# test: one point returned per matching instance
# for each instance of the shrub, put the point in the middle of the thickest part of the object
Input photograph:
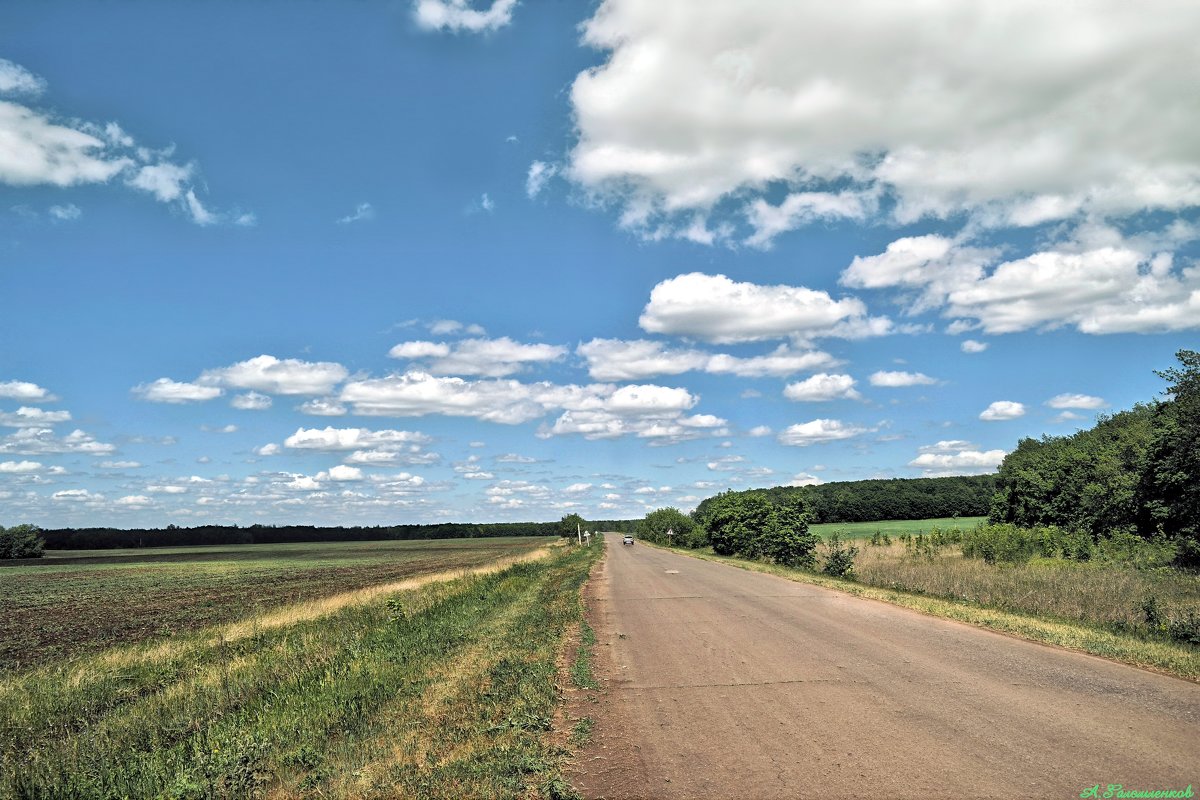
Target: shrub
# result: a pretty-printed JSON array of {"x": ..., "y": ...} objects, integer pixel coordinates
[
  {"x": 686, "y": 532},
  {"x": 839, "y": 558},
  {"x": 22, "y": 541}
]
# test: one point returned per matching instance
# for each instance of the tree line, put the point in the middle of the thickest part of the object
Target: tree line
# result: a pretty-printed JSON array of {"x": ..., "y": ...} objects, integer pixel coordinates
[
  {"x": 1134, "y": 472},
  {"x": 894, "y": 498}
]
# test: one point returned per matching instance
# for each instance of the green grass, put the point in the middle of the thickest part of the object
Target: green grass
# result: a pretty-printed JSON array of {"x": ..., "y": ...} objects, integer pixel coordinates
[
  {"x": 443, "y": 691},
  {"x": 78, "y": 602},
  {"x": 893, "y": 527}
]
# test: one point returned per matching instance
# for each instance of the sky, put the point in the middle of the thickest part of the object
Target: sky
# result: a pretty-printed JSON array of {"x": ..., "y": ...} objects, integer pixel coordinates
[{"x": 382, "y": 263}]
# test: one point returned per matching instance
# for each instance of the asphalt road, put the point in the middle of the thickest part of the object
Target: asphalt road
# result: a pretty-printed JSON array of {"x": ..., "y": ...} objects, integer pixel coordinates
[{"x": 724, "y": 683}]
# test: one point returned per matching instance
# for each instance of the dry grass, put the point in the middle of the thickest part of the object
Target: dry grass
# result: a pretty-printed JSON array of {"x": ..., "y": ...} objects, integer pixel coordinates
[{"x": 1092, "y": 593}]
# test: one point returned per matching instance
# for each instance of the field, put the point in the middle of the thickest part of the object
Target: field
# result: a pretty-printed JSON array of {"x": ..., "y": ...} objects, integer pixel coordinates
[
  {"x": 77, "y": 602},
  {"x": 892, "y": 527},
  {"x": 443, "y": 690}
]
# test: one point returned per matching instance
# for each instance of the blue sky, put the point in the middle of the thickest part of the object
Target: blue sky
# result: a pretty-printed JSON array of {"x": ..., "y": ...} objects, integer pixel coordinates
[{"x": 410, "y": 262}]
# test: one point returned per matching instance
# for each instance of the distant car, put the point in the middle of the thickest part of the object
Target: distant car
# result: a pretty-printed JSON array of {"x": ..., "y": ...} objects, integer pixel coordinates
[{"x": 627, "y": 540}]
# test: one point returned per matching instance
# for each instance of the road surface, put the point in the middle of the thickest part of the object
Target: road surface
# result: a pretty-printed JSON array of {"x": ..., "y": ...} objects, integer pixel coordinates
[{"x": 724, "y": 683}]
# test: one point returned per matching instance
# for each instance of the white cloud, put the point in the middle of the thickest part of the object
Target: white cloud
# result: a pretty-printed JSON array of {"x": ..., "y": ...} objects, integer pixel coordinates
[
  {"x": 333, "y": 439},
  {"x": 362, "y": 212},
  {"x": 134, "y": 501},
  {"x": 38, "y": 151},
  {"x": 459, "y": 15},
  {"x": 931, "y": 104},
  {"x": 576, "y": 488},
  {"x": 35, "y": 441},
  {"x": 938, "y": 460},
  {"x": 538, "y": 176},
  {"x": 322, "y": 407},
  {"x": 717, "y": 309},
  {"x": 802, "y": 208},
  {"x": 822, "y": 387},
  {"x": 271, "y": 449},
  {"x": 493, "y": 358},
  {"x": 899, "y": 379},
  {"x": 23, "y": 390},
  {"x": 251, "y": 401},
  {"x": 15, "y": 79},
  {"x": 804, "y": 479},
  {"x": 442, "y": 327},
  {"x": 166, "y": 181},
  {"x": 20, "y": 467},
  {"x": 166, "y": 489},
  {"x": 819, "y": 431},
  {"x": 278, "y": 376},
  {"x": 759, "y": 431},
  {"x": 165, "y": 390},
  {"x": 28, "y": 417},
  {"x": 1002, "y": 410},
  {"x": 1085, "y": 401},
  {"x": 341, "y": 473},
  {"x": 76, "y": 495},
  {"x": 119, "y": 464},
  {"x": 972, "y": 346},
  {"x": 65, "y": 212},
  {"x": 617, "y": 359}
]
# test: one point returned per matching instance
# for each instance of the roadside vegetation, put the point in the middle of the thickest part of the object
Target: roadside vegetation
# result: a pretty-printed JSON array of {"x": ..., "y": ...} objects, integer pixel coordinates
[{"x": 442, "y": 690}]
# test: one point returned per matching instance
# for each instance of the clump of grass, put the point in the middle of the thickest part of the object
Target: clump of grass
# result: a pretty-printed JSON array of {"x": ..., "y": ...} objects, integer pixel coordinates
[
  {"x": 581, "y": 669},
  {"x": 451, "y": 697}
]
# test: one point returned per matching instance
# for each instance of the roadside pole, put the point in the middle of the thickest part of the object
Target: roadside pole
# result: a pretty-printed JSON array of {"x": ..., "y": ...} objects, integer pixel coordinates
[{"x": 578, "y": 533}]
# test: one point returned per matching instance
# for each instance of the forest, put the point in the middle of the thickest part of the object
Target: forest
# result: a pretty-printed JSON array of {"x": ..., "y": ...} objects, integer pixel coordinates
[
  {"x": 1134, "y": 472},
  {"x": 894, "y": 498}
]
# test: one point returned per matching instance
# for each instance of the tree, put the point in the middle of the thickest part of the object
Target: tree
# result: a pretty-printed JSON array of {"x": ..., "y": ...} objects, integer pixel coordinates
[
  {"x": 570, "y": 524},
  {"x": 23, "y": 541},
  {"x": 656, "y": 524},
  {"x": 1169, "y": 491},
  {"x": 786, "y": 539}
]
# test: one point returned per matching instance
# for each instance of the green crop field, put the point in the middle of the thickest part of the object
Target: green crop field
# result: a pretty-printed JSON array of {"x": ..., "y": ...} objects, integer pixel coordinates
[
  {"x": 444, "y": 689},
  {"x": 893, "y": 527},
  {"x": 77, "y": 602}
]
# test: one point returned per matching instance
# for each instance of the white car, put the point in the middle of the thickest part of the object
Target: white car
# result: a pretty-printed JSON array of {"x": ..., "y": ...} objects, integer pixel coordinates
[{"x": 627, "y": 540}]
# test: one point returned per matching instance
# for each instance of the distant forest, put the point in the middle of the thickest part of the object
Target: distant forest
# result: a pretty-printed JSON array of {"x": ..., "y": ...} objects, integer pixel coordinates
[{"x": 895, "y": 498}]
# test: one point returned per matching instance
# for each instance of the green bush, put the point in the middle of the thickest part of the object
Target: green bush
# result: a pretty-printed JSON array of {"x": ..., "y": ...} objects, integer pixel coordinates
[
  {"x": 839, "y": 558},
  {"x": 22, "y": 541},
  {"x": 747, "y": 524},
  {"x": 685, "y": 531}
]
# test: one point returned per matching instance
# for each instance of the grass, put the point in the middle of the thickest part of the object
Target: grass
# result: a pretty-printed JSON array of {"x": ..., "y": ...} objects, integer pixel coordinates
[
  {"x": 1089, "y": 608},
  {"x": 893, "y": 527},
  {"x": 77, "y": 602},
  {"x": 441, "y": 690}
]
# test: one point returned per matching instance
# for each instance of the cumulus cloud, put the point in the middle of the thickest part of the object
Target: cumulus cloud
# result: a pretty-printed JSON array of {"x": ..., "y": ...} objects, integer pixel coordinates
[
  {"x": 322, "y": 407},
  {"x": 801, "y": 208},
  {"x": 618, "y": 359},
  {"x": 702, "y": 101},
  {"x": 28, "y": 392},
  {"x": 333, "y": 439},
  {"x": 1084, "y": 401},
  {"x": 251, "y": 401},
  {"x": 287, "y": 376},
  {"x": 493, "y": 358},
  {"x": 717, "y": 309},
  {"x": 1002, "y": 410},
  {"x": 443, "y": 327},
  {"x": 804, "y": 479},
  {"x": 43, "y": 149},
  {"x": 20, "y": 467},
  {"x": 972, "y": 346},
  {"x": 760, "y": 430},
  {"x": 956, "y": 458},
  {"x": 165, "y": 390},
  {"x": 822, "y": 387},
  {"x": 819, "y": 431},
  {"x": 459, "y": 16},
  {"x": 1098, "y": 281},
  {"x": 28, "y": 417},
  {"x": 895, "y": 379}
]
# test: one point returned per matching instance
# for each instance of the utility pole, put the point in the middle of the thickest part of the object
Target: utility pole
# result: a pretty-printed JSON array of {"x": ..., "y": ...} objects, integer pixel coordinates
[{"x": 578, "y": 533}]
